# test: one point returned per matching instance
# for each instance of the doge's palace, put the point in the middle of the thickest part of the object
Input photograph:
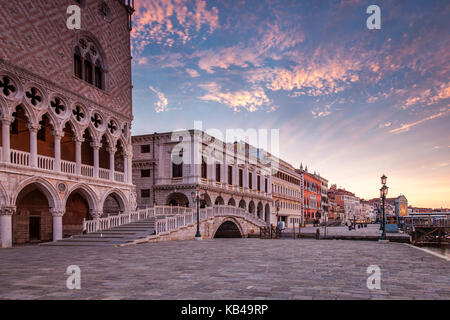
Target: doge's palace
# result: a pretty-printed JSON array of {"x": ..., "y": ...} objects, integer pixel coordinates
[{"x": 65, "y": 104}]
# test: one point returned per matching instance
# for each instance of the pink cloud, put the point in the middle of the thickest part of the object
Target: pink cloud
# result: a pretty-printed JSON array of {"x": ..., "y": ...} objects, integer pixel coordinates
[
  {"x": 165, "y": 21},
  {"x": 250, "y": 100}
]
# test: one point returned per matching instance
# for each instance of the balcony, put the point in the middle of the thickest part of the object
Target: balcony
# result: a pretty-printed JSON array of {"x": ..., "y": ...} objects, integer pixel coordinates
[{"x": 21, "y": 158}]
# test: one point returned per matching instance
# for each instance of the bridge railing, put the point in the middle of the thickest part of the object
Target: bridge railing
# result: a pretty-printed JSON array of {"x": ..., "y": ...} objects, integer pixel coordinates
[{"x": 168, "y": 218}]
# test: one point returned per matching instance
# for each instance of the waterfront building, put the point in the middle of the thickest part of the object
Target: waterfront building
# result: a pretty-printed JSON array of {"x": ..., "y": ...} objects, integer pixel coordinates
[
  {"x": 286, "y": 189},
  {"x": 65, "y": 104},
  {"x": 312, "y": 195},
  {"x": 168, "y": 167},
  {"x": 346, "y": 200}
]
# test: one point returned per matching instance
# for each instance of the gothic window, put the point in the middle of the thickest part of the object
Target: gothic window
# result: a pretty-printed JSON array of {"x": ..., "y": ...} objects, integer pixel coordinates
[
  {"x": 88, "y": 69},
  {"x": 250, "y": 180},
  {"x": 241, "y": 184},
  {"x": 77, "y": 63},
  {"x": 230, "y": 175},
  {"x": 98, "y": 75},
  {"x": 258, "y": 179},
  {"x": 89, "y": 64}
]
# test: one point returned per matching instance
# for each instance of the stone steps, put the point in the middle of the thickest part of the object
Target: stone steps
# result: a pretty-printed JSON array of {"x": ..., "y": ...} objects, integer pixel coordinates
[{"x": 118, "y": 235}]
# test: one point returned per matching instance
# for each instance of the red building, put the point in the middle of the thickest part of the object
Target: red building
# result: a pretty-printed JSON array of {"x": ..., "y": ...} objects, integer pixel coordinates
[{"x": 311, "y": 196}]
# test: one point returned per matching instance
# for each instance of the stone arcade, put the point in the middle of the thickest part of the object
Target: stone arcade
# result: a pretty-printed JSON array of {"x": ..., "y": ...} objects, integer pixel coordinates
[{"x": 65, "y": 104}]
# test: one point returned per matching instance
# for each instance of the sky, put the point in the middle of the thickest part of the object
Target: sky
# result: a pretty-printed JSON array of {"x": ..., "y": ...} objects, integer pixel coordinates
[{"x": 349, "y": 102}]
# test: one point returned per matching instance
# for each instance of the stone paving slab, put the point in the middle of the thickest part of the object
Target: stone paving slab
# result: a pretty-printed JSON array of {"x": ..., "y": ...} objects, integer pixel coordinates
[{"x": 225, "y": 269}]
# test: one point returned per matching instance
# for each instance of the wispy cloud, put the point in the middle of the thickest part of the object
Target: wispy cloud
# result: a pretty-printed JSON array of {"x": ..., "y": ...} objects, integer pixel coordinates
[
  {"x": 407, "y": 127},
  {"x": 250, "y": 100},
  {"x": 193, "y": 73},
  {"x": 165, "y": 22},
  {"x": 161, "y": 104}
]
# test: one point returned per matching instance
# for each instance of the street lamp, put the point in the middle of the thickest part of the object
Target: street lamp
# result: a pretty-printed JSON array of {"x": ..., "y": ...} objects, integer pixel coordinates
[
  {"x": 196, "y": 199},
  {"x": 383, "y": 193}
]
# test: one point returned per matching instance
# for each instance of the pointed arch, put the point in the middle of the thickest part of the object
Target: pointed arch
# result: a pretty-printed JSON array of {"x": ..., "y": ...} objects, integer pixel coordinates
[
  {"x": 119, "y": 196},
  {"x": 44, "y": 186},
  {"x": 89, "y": 194}
]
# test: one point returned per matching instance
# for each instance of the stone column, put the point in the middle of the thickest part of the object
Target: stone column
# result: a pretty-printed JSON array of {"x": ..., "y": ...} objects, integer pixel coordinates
[
  {"x": 57, "y": 135},
  {"x": 130, "y": 167},
  {"x": 78, "y": 142},
  {"x": 126, "y": 172},
  {"x": 33, "y": 129},
  {"x": 57, "y": 215},
  {"x": 96, "y": 147},
  {"x": 6, "y": 123},
  {"x": 6, "y": 226},
  {"x": 112, "y": 152}
]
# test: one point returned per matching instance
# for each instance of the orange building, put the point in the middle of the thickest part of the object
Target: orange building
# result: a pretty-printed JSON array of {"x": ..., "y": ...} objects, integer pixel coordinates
[{"x": 312, "y": 199}]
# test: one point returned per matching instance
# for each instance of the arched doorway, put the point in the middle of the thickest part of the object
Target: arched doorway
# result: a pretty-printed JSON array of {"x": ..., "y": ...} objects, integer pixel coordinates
[
  {"x": 177, "y": 199},
  {"x": 242, "y": 204},
  {"x": 228, "y": 229},
  {"x": 113, "y": 205},
  {"x": 77, "y": 209},
  {"x": 259, "y": 210},
  {"x": 32, "y": 221},
  {"x": 232, "y": 202},
  {"x": 219, "y": 201}
]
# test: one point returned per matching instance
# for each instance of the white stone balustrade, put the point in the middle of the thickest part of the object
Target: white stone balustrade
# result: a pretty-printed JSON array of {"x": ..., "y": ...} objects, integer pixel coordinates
[
  {"x": 168, "y": 218},
  {"x": 22, "y": 158}
]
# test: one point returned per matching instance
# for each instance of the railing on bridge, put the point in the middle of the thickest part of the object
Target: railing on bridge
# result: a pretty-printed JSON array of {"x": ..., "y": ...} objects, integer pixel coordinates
[{"x": 169, "y": 218}]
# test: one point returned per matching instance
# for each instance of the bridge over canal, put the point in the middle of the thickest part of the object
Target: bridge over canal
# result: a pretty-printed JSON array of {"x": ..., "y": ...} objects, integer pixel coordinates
[{"x": 161, "y": 223}]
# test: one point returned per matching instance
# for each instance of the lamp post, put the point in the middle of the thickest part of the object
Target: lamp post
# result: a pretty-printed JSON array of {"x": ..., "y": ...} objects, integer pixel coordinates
[
  {"x": 196, "y": 199},
  {"x": 383, "y": 194}
]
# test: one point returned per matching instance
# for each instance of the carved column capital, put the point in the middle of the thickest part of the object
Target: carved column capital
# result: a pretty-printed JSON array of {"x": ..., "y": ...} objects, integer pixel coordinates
[
  {"x": 7, "y": 210},
  {"x": 112, "y": 150},
  {"x": 32, "y": 127},
  {"x": 7, "y": 119},
  {"x": 58, "y": 133},
  {"x": 96, "y": 145},
  {"x": 57, "y": 212},
  {"x": 95, "y": 214}
]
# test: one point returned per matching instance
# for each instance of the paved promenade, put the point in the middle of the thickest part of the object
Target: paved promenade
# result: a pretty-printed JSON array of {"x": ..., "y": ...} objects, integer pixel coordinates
[{"x": 225, "y": 269}]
